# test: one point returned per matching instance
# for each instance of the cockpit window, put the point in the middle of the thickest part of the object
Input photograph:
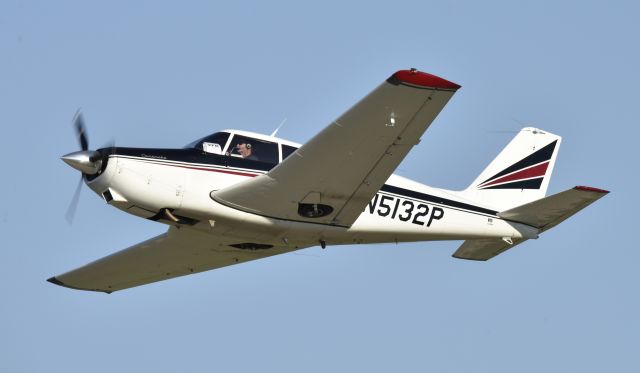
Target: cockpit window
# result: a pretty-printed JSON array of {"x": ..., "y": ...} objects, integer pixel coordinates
[
  {"x": 211, "y": 144},
  {"x": 253, "y": 149}
]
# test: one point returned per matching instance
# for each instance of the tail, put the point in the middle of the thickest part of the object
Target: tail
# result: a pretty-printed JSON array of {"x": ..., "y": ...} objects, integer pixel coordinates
[
  {"x": 515, "y": 184},
  {"x": 519, "y": 174}
]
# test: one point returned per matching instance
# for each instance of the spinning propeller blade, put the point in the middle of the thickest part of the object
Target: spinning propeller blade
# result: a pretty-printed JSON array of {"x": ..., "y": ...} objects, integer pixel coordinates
[
  {"x": 81, "y": 130},
  {"x": 73, "y": 205}
]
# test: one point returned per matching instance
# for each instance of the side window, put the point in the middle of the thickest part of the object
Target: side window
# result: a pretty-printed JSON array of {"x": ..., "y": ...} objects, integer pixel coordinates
[
  {"x": 254, "y": 149},
  {"x": 287, "y": 151},
  {"x": 214, "y": 144}
]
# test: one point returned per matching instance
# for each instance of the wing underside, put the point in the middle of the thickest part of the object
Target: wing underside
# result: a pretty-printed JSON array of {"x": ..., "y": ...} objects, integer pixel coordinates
[
  {"x": 332, "y": 177},
  {"x": 177, "y": 252}
]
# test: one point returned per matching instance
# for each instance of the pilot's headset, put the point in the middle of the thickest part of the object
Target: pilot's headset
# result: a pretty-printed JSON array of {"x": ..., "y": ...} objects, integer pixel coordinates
[{"x": 246, "y": 144}]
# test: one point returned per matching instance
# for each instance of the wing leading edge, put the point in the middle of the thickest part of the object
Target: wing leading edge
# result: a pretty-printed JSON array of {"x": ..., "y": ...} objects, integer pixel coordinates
[{"x": 331, "y": 178}]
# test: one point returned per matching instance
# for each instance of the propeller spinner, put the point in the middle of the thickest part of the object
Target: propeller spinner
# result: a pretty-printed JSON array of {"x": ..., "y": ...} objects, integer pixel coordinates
[{"x": 89, "y": 162}]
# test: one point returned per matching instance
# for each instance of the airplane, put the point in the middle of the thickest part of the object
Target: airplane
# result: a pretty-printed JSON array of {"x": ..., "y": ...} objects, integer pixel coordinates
[{"x": 235, "y": 196}]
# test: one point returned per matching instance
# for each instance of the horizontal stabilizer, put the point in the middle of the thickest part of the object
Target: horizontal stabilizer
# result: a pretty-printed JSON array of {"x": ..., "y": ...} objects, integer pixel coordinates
[
  {"x": 484, "y": 248},
  {"x": 548, "y": 212},
  {"x": 542, "y": 214}
]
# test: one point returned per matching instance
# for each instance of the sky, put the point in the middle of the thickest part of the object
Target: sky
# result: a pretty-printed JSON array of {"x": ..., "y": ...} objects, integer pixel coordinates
[{"x": 161, "y": 74}]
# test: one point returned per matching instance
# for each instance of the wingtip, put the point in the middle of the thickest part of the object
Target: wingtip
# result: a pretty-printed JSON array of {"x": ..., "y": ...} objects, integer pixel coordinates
[
  {"x": 591, "y": 189},
  {"x": 422, "y": 79},
  {"x": 54, "y": 280},
  {"x": 469, "y": 258}
]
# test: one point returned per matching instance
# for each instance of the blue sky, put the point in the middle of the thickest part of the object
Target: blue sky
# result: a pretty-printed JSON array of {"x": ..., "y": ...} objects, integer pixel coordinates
[{"x": 153, "y": 74}]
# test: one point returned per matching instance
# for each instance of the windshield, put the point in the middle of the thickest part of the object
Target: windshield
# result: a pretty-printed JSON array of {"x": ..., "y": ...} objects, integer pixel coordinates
[{"x": 239, "y": 147}]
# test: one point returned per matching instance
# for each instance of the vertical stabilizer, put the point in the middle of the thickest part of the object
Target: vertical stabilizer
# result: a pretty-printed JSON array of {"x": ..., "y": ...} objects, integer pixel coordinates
[{"x": 520, "y": 173}]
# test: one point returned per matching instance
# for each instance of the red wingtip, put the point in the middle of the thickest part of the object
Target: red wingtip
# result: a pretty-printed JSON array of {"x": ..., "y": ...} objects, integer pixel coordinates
[
  {"x": 421, "y": 79},
  {"x": 591, "y": 189}
]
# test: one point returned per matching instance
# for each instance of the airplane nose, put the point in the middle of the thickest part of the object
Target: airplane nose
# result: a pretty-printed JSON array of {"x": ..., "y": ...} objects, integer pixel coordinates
[{"x": 86, "y": 161}]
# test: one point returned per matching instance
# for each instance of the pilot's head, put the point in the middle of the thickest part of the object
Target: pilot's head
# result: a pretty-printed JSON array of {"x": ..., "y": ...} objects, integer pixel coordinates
[{"x": 244, "y": 149}]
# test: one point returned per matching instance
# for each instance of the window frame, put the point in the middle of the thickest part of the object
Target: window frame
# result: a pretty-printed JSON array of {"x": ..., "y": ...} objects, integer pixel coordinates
[{"x": 282, "y": 157}]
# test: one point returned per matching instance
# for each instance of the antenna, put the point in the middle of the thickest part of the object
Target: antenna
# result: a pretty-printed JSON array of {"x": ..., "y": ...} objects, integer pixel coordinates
[
  {"x": 521, "y": 123},
  {"x": 278, "y": 129}
]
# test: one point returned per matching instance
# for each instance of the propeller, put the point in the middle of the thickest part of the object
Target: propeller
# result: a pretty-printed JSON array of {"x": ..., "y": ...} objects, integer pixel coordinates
[
  {"x": 73, "y": 205},
  {"x": 89, "y": 162},
  {"x": 81, "y": 130}
]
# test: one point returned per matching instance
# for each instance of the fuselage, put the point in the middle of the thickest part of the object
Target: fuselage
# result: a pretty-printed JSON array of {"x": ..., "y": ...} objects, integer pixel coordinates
[{"x": 173, "y": 186}]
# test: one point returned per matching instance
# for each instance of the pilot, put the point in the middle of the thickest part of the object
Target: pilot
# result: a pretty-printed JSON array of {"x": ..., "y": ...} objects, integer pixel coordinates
[{"x": 246, "y": 151}]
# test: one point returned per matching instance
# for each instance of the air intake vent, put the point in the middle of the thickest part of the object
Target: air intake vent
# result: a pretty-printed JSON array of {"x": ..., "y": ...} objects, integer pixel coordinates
[{"x": 107, "y": 196}]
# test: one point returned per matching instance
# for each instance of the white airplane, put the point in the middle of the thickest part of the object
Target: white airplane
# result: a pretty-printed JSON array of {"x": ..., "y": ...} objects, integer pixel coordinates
[{"x": 236, "y": 196}]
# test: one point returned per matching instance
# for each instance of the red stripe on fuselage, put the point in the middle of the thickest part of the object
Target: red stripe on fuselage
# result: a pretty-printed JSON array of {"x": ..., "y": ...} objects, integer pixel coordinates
[{"x": 214, "y": 170}]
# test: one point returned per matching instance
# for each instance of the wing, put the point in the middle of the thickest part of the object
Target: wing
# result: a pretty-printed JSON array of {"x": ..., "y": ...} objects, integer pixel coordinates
[
  {"x": 176, "y": 253},
  {"x": 332, "y": 177}
]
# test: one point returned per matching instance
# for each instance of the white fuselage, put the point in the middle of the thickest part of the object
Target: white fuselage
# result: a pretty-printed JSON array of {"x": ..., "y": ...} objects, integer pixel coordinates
[{"x": 402, "y": 211}]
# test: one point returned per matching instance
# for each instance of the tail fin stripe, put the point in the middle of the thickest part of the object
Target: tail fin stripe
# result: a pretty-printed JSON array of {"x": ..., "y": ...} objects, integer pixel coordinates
[
  {"x": 521, "y": 171},
  {"x": 534, "y": 171},
  {"x": 523, "y": 184},
  {"x": 541, "y": 155}
]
